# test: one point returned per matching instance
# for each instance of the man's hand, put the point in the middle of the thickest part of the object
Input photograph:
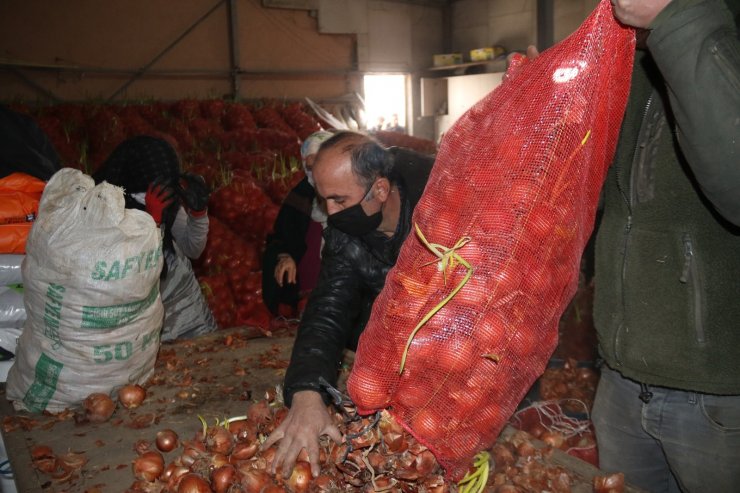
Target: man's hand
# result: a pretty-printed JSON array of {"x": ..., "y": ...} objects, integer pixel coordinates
[
  {"x": 285, "y": 269},
  {"x": 306, "y": 421},
  {"x": 638, "y": 13},
  {"x": 158, "y": 197},
  {"x": 532, "y": 53}
]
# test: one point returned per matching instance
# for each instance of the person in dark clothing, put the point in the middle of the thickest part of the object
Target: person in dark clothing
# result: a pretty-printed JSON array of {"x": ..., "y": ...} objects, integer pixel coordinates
[
  {"x": 292, "y": 252},
  {"x": 148, "y": 169},
  {"x": 370, "y": 195},
  {"x": 24, "y": 147},
  {"x": 667, "y": 408}
]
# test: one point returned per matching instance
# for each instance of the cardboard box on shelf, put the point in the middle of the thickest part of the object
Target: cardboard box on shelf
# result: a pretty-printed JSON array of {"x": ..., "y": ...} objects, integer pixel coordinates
[{"x": 444, "y": 59}]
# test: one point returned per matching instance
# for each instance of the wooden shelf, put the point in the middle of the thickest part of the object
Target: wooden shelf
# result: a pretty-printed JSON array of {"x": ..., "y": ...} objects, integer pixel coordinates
[
  {"x": 495, "y": 65},
  {"x": 458, "y": 66}
]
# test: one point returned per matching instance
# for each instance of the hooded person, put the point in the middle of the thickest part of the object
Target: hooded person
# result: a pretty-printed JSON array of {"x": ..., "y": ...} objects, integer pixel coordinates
[
  {"x": 148, "y": 169},
  {"x": 309, "y": 149},
  {"x": 293, "y": 251}
]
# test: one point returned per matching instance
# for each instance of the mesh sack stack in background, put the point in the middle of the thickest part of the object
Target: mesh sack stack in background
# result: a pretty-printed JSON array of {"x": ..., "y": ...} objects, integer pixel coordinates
[{"x": 513, "y": 194}]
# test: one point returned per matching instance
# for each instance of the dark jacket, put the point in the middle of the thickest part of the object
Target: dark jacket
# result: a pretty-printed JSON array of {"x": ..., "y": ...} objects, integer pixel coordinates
[
  {"x": 668, "y": 248},
  {"x": 353, "y": 271},
  {"x": 288, "y": 236},
  {"x": 24, "y": 147}
]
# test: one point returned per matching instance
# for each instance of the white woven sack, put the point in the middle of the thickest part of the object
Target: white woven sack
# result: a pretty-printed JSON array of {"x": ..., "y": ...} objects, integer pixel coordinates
[
  {"x": 186, "y": 312},
  {"x": 12, "y": 310},
  {"x": 91, "y": 291},
  {"x": 10, "y": 268}
]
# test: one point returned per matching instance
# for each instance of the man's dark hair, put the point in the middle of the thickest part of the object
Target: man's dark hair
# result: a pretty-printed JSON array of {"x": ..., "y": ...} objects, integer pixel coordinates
[{"x": 369, "y": 158}]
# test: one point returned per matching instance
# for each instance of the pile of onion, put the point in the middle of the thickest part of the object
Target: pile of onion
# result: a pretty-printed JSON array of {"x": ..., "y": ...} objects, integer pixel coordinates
[
  {"x": 226, "y": 458},
  {"x": 520, "y": 465},
  {"x": 378, "y": 455},
  {"x": 547, "y": 421},
  {"x": 574, "y": 385}
]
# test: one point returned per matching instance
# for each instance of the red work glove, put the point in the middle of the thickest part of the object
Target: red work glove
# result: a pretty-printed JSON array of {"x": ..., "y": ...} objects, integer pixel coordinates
[{"x": 158, "y": 197}]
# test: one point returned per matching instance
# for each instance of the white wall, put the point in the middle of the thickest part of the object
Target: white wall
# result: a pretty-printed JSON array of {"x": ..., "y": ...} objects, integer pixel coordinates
[
  {"x": 510, "y": 23},
  {"x": 462, "y": 93},
  {"x": 392, "y": 37}
]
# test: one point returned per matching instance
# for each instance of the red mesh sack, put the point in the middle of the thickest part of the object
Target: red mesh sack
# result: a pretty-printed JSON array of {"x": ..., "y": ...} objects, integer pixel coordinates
[{"x": 513, "y": 195}]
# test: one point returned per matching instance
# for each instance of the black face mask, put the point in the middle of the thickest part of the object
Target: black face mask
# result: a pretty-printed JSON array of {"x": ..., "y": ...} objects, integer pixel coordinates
[{"x": 354, "y": 221}]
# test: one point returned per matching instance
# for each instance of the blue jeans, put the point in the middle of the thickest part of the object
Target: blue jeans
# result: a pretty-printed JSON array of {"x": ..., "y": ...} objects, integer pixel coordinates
[{"x": 677, "y": 441}]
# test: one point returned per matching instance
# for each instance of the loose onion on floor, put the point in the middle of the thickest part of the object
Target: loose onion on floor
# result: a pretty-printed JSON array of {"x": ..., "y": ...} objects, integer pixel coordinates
[
  {"x": 98, "y": 407},
  {"x": 131, "y": 396},
  {"x": 167, "y": 440}
]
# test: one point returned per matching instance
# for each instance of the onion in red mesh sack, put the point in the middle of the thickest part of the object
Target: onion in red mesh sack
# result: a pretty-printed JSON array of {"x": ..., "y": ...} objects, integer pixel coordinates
[{"x": 502, "y": 224}]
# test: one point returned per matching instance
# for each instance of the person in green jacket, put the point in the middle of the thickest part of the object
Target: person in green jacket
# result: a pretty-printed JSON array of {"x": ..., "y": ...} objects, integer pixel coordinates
[{"x": 667, "y": 306}]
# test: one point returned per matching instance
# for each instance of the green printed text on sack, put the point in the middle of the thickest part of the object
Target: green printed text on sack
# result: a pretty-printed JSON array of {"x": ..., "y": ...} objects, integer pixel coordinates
[
  {"x": 106, "y": 270},
  {"x": 46, "y": 378},
  {"x": 53, "y": 314},
  {"x": 121, "y": 351},
  {"x": 110, "y": 317}
]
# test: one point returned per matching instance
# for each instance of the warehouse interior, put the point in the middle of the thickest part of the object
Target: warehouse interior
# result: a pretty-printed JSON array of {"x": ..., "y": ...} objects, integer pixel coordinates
[
  {"x": 264, "y": 246},
  {"x": 248, "y": 50}
]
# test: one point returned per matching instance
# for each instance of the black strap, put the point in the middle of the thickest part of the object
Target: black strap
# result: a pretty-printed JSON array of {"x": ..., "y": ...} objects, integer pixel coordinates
[{"x": 645, "y": 394}]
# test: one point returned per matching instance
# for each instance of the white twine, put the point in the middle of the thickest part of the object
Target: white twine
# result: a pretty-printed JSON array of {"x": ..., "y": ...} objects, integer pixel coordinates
[{"x": 552, "y": 417}]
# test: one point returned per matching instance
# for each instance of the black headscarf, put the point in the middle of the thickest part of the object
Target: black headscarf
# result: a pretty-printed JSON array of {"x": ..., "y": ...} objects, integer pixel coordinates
[
  {"x": 138, "y": 162},
  {"x": 134, "y": 165}
]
